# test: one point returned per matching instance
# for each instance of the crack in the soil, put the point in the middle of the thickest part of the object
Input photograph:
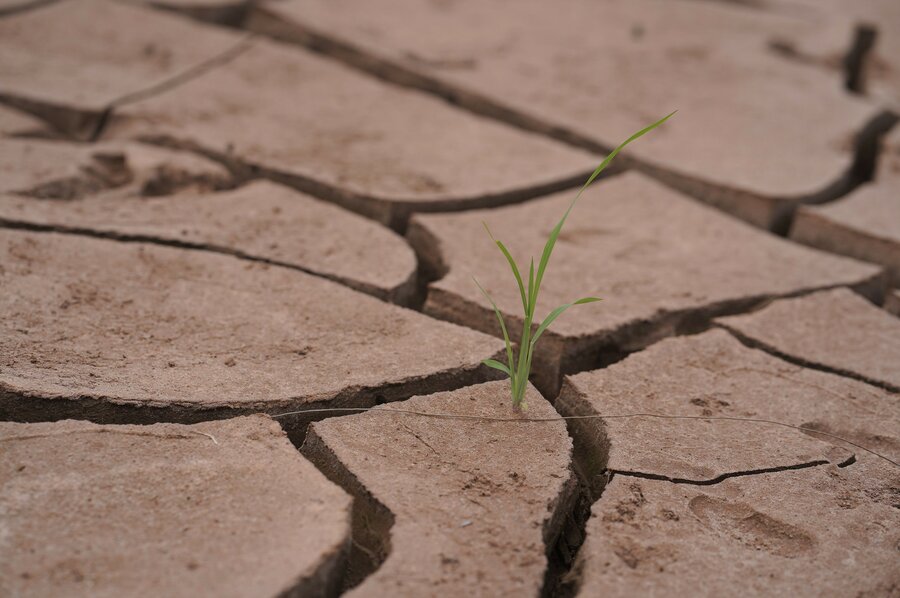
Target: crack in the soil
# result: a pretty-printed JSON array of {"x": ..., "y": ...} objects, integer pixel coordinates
[
  {"x": 89, "y": 125},
  {"x": 855, "y": 63},
  {"x": 372, "y": 520},
  {"x": 347, "y": 53},
  {"x": 370, "y": 542},
  {"x": 401, "y": 295},
  {"x": 28, "y": 407},
  {"x": 858, "y": 58},
  {"x": 561, "y": 578},
  {"x": 716, "y": 194},
  {"x": 759, "y": 345},
  {"x": 193, "y": 72},
  {"x": 732, "y": 474},
  {"x": 225, "y": 15},
  {"x": 393, "y": 214},
  {"x": 590, "y": 453},
  {"x": 558, "y": 356},
  {"x": 590, "y": 461}
]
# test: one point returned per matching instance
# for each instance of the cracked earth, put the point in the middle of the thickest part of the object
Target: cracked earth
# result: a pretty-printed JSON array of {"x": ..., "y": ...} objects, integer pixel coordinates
[{"x": 240, "y": 348}]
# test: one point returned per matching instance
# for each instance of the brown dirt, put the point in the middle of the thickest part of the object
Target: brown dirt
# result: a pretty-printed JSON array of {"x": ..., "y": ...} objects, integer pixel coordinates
[
  {"x": 58, "y": 65},
  {"x": 56, "y": 170},
  {"x": 831, "y": 37},
  {"x": 683, "y": 264},
  {"x": 713, "y": 375},
  {"x": 135, "y": 332},
  {"x": 261, "y": 221},
  {"x": 865, "y": 224},
  {"x": 382, "y": 167},
  {"x": 837, "y": 331},
  {"x": 779, "y": 127},
  {"x": 474, "y": 506},
  {"x": 225, "y": 509},
  {"x": 789, "y": 533}
]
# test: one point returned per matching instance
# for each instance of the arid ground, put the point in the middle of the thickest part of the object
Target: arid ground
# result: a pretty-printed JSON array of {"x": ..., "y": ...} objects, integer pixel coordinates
[{"x": 241, "y": 348}]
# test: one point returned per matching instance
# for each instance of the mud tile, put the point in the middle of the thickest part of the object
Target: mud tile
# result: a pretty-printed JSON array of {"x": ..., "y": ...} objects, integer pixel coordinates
[
  {"x": 70, "y": 61},
  {"x": 835, "y": 330},
  {"x": 374, "y": 148},
  {"x": 714, "y": 375},
  {"x": 131, "y": 332},
  {"x": 226, "y": 508},
  {"x": 755, "y": 133},
  {"x": 823, "y": 531},
  {"x": 472, "y": 502},
  {"x": 54, "y": 170},
  {"x": 661, "y": 262},
  {"x": 866, "y": 223},
  {"x": 261, "y": 220}
]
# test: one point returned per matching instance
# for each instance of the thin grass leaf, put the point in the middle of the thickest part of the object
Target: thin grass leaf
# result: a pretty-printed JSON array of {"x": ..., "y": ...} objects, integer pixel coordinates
[
  {"x": 551, "y": 241},
  {"x": 530, "y": 279},
  {"x": 512, "y": 264},
  {"x": 558, "y": 312},
  {"x": 493, "y": 363},
  {"x": 615, "y": 152},
  {"x": 509, "y": 351}
]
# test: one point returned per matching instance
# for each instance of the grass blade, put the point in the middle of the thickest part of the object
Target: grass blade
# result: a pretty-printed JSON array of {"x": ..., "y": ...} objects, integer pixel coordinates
[
  {"x": 493, "y": 363},
  {"x": 615, "y": 152},
  {"x": 509, "y": 351},
  {"x": 551, "y": 241},
  {"x": 512, "y": 264},
  {"x": 530, "y": 285},
  {"x": 558, "y": 312}
]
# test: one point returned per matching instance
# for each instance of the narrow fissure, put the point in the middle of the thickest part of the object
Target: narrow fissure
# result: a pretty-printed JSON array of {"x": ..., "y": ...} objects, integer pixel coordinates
[
  {"x": 561, "y": 578},
  {"x": 590, "y": 455},
  {"x": 590, "y": 462},
  {"x": 731, "y": 474},
  {"x": 399, "y": 295},
  {"x": 24, "y": 407},
  {"x": 752, "y": 343},
  {"x": 89, "y": 125},
  {"x": 371, "y": 522},
  {"x": 394, "y": 215},
  {"x": 555, "y": 358},
  {"x": 389, "y": 71},
  {"x": 224, "y": 15},
  {"x": 858, "y": 58}
]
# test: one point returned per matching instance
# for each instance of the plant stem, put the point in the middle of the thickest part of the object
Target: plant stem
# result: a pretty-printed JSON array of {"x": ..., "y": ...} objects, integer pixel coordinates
[{"x": 522, "y": 381}]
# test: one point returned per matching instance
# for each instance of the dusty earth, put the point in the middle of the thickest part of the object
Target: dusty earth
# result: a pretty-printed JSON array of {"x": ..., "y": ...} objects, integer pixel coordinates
[{"x": 240, "y": 346}]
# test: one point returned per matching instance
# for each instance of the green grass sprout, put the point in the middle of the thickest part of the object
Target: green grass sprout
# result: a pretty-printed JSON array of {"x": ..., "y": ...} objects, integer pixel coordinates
[{"x": 518, "y": 367}]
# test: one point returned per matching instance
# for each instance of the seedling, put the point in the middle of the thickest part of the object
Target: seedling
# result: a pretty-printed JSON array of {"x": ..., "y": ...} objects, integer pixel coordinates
[{"x": 518, "y": 367}]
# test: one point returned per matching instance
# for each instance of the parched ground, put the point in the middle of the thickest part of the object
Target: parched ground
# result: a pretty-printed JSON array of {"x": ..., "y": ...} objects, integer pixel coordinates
[{"x": 240, "y": 346}]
